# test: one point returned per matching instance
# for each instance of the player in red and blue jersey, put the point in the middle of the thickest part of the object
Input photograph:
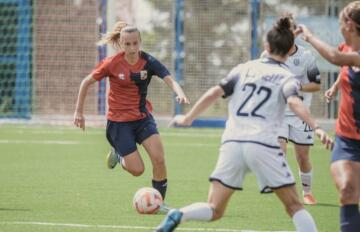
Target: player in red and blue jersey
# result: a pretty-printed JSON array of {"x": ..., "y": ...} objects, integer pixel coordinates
[
  {"x": 345, "y": 166},
  {"x": 129, "y": 118}
]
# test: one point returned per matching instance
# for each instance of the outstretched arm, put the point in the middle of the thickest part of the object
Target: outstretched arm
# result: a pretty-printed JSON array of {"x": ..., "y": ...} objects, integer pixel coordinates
[
  {"x": 181, "y": 97},
  {"x": 207, "y": 99},
  {"x": 79, "y": 119},
  {"x": 330, "y": 53}
]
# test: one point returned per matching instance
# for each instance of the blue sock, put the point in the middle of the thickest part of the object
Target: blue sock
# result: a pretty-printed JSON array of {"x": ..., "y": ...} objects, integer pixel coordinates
[
  {"x": 350, "y": 218},
  {"x": 160, "y": 186}
]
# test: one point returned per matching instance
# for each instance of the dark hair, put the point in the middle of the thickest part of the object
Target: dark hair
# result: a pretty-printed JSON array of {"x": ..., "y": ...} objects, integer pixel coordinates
[
  {"x": 293, "y": 24},
  {"x": 280, "y": 37}
]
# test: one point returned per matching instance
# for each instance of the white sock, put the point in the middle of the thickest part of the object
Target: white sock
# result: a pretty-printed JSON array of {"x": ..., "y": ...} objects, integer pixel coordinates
[
  {"x": 197, "y": 212},
  {"x": 306, "y": 179},
  {"x": 303, "y": 221}
]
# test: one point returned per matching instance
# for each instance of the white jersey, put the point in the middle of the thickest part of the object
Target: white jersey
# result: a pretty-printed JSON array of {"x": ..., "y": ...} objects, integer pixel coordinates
[
  {"x": 302, "y": 64},
  {"x": 258, "y": 91}
]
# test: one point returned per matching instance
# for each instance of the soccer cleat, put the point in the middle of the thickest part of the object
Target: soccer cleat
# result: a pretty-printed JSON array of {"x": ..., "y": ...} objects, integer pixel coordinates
[
  {"x": 164, "y": 209},
  {"x": 170, "y": 222},
  {"x": 112, "y": 159},
  {"x": 309, "y": 199}
]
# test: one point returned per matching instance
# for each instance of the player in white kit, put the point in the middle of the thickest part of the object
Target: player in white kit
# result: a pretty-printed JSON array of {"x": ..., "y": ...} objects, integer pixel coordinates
[
  {"x": 301, "y": 62},
  {"x": 259, "y": 91}
]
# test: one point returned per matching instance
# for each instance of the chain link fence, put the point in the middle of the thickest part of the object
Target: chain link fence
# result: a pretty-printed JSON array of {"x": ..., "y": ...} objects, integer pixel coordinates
[{"x": 48, "y": 47}]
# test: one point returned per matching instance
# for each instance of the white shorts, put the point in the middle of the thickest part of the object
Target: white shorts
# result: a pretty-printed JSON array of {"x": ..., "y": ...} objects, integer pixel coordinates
[
  {"x": 269, "y": 165},
  {"x": 296, "y": 131}
]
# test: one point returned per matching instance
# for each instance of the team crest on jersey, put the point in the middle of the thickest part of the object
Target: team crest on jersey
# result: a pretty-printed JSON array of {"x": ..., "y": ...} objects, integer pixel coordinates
[
  {"x": 296, "y": 62},
  {"x": 143, "y": 75},
  {"x": 121, "y": 76}
]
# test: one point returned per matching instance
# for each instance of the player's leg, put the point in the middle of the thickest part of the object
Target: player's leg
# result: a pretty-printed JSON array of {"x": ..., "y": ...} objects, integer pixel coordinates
[
  {"x": 148, "y": 136},
  {"x": 302, "y": 137},
  {"x": 214, "y": 209},
  {"x": 346, "y": 175},
  {"x": 227, "y": 176},
  {"x": 155, "y": 150},
  {"x": 305, "y": 172},
  {"x": 124, "y": 151},
  {"x": 130, "y": 162},
  {"x": 345, "y": 169},
  {"x": 133, "y": 163},
  {"x": 273, "y": 173},
  {"x": 218, "y": 198},
  {"x": 283, "y": 135},
  {"x": 302, "y": 219}
]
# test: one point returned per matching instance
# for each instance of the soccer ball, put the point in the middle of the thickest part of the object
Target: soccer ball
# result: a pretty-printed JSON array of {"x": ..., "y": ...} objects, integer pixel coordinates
[{"x": 147, "y": 200}]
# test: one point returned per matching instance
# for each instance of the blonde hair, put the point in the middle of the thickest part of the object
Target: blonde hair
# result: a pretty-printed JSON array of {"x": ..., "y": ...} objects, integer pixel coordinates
[
  {"x": 352, "y": 12},
  {"x": 113, "y": 36}
]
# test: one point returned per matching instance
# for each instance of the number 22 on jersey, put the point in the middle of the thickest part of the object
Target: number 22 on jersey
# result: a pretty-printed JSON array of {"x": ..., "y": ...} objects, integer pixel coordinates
[{"x": 253, "y": 90}]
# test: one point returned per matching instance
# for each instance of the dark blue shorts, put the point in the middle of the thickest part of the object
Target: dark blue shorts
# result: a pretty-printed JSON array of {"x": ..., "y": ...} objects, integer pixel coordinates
[
  {"x": 346, "y": 149},
  {"x": 123, "y": 136}
]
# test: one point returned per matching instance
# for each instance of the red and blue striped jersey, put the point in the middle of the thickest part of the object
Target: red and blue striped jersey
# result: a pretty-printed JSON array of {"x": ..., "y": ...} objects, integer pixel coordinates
[
  {"x": 128, "y": 85},
  {"x": 348, "y": 122}
]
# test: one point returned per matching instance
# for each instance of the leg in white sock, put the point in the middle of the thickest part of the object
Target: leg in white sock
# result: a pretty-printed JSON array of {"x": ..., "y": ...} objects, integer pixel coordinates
[
  {"x": 303, "y": 221},
  {"x": 306, "y": 180},
  {"x": 197, "y": 212}
]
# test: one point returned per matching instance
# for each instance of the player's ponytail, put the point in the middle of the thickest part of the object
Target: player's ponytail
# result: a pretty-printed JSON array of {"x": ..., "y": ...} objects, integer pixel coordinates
[
  {"x": 113, "y": 36},
  {"x": 283, "y": 24},
  {"x": 281, "y": 37}
]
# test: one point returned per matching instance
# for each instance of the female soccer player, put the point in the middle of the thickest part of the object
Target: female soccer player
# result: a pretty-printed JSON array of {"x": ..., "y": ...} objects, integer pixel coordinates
[
  {"x": 259, "y": 91},
  {"x": 301, "y": 62},
  {"x": 345, "y": 165},
  {"x": 129, "y": 116}
]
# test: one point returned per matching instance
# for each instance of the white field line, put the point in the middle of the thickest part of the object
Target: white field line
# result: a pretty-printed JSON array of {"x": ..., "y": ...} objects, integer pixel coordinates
[
  {"x": 205, "y": 134},
  {"x": 74, "y": 142},
  {"x": 60, "y": 142},
  {"x": 125, "y": 227}
]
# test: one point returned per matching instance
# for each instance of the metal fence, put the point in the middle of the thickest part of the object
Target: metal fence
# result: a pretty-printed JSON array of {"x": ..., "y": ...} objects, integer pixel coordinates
[{"x": 47, "y": 47}]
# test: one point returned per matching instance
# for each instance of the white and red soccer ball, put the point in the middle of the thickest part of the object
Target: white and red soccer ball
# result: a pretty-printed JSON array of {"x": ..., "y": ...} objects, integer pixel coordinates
[{"x": 147, "y": 200}]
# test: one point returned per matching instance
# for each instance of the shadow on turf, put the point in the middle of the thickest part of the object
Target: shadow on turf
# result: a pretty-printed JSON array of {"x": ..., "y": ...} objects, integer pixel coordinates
[
  {"x": 7, "y": 209},
  {"x": 327, "y": 205}
]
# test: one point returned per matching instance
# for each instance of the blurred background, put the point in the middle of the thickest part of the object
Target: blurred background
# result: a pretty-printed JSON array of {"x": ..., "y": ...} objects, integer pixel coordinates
[{"x": 48, "y": 46}]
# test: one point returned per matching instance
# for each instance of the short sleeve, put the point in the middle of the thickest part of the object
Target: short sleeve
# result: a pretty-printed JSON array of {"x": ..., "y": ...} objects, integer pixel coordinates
[
  {"x": 229, "y": 82},
  {"x": 157, "y": 68},
  {"x": 101, "y": 70},
  {"x": 291, "y": 87},
  {"x": 313, "y": 72}
]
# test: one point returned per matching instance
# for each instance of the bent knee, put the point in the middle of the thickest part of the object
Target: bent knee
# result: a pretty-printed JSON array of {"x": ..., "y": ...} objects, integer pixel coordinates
[
  {"x": 348, "y": 194},
  {"x": 217, "y": 213},
  {"x": 137, "y": 171}
]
